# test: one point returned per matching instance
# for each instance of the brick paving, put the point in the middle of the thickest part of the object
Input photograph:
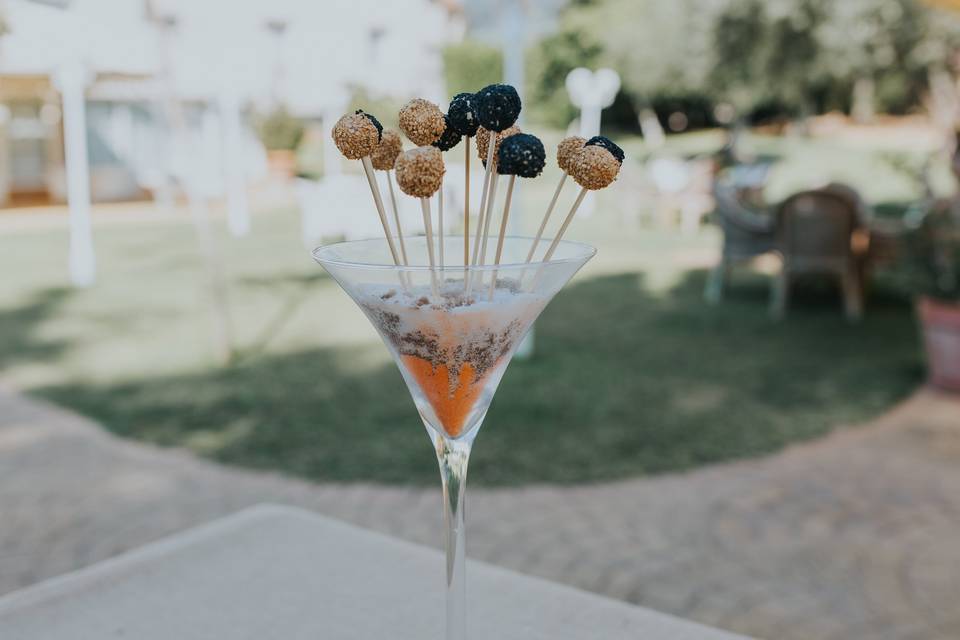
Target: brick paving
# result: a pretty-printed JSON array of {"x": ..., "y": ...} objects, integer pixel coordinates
[{"x": 856, "y": 535}]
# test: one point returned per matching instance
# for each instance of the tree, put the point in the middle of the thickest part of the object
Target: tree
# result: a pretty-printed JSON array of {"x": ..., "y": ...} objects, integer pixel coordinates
[
  {"x": 658, "y": 47},
  {"x": 739, "y": 43},
  {"x": 548, "y": 65},
  {"x": 470, "y": 65},
  {"x": 794, "y": 51}
]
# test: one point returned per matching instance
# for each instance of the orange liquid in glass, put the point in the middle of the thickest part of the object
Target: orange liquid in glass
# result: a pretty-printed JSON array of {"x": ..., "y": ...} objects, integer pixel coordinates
[{"x": 452, "y": 400}]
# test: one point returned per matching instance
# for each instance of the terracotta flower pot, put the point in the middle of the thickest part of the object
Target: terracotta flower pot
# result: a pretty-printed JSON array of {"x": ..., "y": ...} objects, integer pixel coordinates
[
  {"x": 941, "y": 337},
  {"x": 282, "y": 164}
]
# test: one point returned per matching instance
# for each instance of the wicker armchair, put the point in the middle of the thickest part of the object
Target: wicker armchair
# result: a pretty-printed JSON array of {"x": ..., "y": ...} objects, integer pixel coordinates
[
  {"x": 815, "y": 235},
  {"x": 746, "y": 235}
]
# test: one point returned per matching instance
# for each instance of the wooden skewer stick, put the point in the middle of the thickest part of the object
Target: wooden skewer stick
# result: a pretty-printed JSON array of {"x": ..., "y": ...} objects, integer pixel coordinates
[
  {"x": 556, "y": 240},
  {"x": 486, "y": 215},
  {"x": 466, "y": 206},
  {"x": 377, "y": 200},
  {"x": 440, "y": 226},
  {"x": 503, "y": 231},
  {"x": 546, "y": 216},
  {"x": 483, "y": 200},
  {"x": 489, "y": 214},
  {"x": 396, "y": 219},
  {"x": 428, "y": 227}
]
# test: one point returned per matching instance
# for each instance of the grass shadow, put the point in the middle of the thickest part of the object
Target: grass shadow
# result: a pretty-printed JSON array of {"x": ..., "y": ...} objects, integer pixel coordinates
[
  {"x": 625, "y": 381},
  {"x": 18, "y": 327}
]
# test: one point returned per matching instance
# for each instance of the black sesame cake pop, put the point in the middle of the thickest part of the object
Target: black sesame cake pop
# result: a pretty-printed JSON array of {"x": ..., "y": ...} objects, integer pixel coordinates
[
  {"x": 521, "y": 155},
  {"x": 449, "y": 138},
  {"x": 608, "y": 144},
  {"x": 498, "y": 106},
  {"x": 462, "y": 114}
]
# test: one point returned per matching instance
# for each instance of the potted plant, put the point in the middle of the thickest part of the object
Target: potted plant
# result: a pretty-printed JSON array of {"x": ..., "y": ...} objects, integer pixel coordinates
[
  {"x": 938, "y": 303},
  {"x": 281, "y": 133}
]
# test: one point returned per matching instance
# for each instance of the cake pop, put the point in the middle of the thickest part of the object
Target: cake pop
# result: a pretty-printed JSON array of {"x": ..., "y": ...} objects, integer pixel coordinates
[
  {"x": 357, "y": 134},
  {"x": 449, "y": 138},
  {"x": 594, "y": 167},
  {"x": 609, "y": 145},
  {"x": 566, "y": 150},
  {"x": 385, "y": 154},
  {"x": 383, "y": 159},
  {"x": 498, "y": 106},
  {"x": 420, "y": 171},
  {"x": 483, "y": 142},
  {"x": 521, "y": 155},
  {"x": 462, "y": 116},
  {"x": 422, "y": 122},
  {"x": 420, "y": 174}
]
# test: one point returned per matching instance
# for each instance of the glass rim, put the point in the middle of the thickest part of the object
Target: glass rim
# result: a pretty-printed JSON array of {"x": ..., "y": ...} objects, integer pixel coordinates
[{"x": 586, "y": 252}]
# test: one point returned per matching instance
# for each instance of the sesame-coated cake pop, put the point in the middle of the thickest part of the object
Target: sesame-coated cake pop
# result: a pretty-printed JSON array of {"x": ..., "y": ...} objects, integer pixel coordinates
[
  {"x": 521, "y": 155},
  {"x": 385, "y": 155},
  {"x": 463, "y": 114},
  {"x": 420, "y": 171},
  {"x": 422, "y": 122},
  {"x": 372, "y": 119},
  {"x": 567, "y": 149},
  {"x": 483, "y": 139},
  {"x": 357, "y": 135},
  {"x": 449, "y": 138},
  {"x": 498, "y": 106},
  {"x": 609, "y": 145},
  {"x": 594, "y": 167}
]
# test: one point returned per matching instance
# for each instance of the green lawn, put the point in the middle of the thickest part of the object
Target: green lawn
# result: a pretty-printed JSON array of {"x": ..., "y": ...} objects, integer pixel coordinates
[{"x": 633, "y": 374}]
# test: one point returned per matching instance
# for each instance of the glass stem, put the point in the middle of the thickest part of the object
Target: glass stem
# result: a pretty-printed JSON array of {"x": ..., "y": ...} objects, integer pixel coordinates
[{"x": 453, "y": 456}]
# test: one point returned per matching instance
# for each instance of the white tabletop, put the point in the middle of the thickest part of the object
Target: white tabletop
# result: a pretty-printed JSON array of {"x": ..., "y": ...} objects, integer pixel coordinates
[{"x": 278, "y": 572}]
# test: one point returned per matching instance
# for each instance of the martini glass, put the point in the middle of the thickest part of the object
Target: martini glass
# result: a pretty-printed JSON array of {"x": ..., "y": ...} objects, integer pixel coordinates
[{"x": 452, "y": 332}]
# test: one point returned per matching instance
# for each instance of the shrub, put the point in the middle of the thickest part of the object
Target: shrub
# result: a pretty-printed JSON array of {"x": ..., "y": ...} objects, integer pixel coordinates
[
  {"x": 280, "y": 130},
  {"x": 471, "y": 65}
]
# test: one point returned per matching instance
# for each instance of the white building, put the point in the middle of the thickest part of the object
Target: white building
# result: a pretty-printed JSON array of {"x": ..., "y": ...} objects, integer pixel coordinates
[{"x": 140, "y": 67}]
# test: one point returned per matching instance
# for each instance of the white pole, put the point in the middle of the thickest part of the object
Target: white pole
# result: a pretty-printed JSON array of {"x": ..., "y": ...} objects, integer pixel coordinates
[
  {"x": 238, "y": 210},
  {"x": 590, "y": 120},
  {"x": 71, "y": 79}
]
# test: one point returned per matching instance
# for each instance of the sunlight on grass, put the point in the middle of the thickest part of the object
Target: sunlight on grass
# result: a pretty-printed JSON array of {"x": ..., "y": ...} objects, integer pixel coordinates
[{"x": 632, "y": 372}]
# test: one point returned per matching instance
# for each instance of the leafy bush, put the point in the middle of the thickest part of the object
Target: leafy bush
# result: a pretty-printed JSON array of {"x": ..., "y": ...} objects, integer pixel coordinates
[
  {"x": 386, "y": 109},
  {"x": 280, "y": 130},
  {"x": 471, "y": 65},
  {"x": 548, "y": 64},
  {"x": 934, "y": 268}
]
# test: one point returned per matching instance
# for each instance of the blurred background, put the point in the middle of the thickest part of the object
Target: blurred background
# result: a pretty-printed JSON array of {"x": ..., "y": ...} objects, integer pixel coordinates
[{"x": 744, "y": 410}]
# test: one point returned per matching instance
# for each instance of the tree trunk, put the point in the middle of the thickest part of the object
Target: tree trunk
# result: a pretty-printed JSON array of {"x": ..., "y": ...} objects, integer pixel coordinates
[
  {"x": 944, "y": 100},
  {"x": 863, "y": 101},
  {"x": 653, "y": 134}
]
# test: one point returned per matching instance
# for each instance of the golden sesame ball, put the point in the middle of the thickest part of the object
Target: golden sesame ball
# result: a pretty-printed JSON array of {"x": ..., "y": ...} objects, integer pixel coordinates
[
  {"x": 355, "y": 135},
  {"x": 483, "y": 139},
  {"x": 385, "y": 155},
  {"x": 422, "y": 122},
  {"x": 594, "y": 167},
  {"x": 420, "y": 171},
  {"x": 567, "y": 148}
]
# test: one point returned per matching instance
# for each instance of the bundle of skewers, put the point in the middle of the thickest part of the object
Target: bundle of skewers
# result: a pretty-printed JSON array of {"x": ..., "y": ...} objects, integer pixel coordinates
[{"x": 489, "y": 116}]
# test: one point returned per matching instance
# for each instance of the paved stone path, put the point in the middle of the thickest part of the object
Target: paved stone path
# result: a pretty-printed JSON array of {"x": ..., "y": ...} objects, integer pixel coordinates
[{"x": 854, "y": 536}]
